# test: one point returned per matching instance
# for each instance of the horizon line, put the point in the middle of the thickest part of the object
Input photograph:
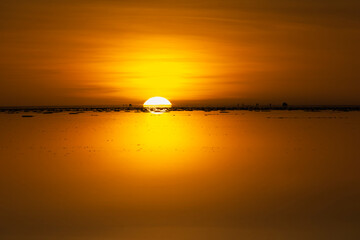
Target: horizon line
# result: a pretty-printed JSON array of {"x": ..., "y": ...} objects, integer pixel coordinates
[{"x": 187, "y": 106}]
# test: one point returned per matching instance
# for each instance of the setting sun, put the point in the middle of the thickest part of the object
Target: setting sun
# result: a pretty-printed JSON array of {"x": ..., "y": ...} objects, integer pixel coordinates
[{"x": 157, "y": 105}]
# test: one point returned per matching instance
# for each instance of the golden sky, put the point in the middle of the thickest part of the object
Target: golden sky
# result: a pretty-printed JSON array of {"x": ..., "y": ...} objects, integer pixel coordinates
[{"x": 191, "y": 52}]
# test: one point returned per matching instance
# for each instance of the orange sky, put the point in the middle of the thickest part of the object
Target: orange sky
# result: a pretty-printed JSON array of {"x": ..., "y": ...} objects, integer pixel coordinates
[{"x": 209, "y": 52}]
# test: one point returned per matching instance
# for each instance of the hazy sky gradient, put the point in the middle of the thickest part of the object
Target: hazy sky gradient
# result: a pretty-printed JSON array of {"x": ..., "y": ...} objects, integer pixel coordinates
[{"x": 114, "y": 52}]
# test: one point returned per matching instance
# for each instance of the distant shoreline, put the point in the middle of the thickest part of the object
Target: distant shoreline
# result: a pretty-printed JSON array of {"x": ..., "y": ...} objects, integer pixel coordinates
[{"x": 54, "y": 109}]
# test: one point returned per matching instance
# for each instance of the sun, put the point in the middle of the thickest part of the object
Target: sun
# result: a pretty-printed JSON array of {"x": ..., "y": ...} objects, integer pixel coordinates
[{"x": 157, "y": 105}]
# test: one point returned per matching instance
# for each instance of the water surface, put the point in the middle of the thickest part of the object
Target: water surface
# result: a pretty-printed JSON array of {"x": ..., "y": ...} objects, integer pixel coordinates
[{"x": 180, "y": 175}]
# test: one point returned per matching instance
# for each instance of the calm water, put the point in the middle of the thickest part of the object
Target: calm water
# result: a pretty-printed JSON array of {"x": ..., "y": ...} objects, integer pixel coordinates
[{"x": 180, "y": 175}]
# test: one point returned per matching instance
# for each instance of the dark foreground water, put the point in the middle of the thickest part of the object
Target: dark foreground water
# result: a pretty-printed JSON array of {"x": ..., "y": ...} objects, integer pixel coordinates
[{"x": 181, "y": 175}]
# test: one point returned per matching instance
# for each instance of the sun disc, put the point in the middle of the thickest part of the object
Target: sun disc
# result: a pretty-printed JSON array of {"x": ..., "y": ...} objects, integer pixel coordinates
[{"x": 157, "y": 105}]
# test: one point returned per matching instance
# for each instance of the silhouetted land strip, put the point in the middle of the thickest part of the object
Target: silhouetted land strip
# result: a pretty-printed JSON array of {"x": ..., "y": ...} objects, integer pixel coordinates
[{"x": 81, "y": 109}]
